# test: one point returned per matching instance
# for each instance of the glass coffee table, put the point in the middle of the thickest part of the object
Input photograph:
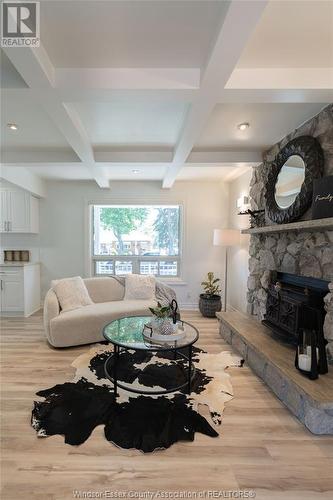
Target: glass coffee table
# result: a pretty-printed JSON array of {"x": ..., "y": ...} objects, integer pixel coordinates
[{"x": 127, "y": 334}]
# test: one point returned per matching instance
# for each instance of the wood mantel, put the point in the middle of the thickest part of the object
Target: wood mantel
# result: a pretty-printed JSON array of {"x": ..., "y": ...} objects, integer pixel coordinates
[{"x": 302, "y": 225}]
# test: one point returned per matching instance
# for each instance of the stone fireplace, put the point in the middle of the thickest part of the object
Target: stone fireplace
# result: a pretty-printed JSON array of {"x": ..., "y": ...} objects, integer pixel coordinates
[
  {"x": 295, "y": 251},
  {"x": 300, "y": 252}
]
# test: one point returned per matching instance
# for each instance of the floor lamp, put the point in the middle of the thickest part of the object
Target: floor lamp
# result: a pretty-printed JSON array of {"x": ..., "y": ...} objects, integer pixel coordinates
[{"x": 226, "y": 238}]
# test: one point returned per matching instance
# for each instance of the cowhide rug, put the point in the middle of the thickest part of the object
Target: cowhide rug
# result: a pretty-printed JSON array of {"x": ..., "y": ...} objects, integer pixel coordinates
[{"x": 144, "y": 422}]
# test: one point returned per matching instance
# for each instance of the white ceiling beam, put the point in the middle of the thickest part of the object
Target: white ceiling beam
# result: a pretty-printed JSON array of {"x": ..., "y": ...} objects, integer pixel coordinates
[
  {"x": 226, "y": 157},
  {"x": 283, "y": 95},
  {"x": 44, "y": 164},
  {"x": 128, "y": 78},
  {"x": 240, "y": 19},
  {"x": 23, "y": 178},
  {"x": 281, "y": 78},
  {"x": 132, "y": 156},
  {"x": 99, "y": 174},
  {"x": 33, "y": 65},
  {"x": 44, "y": 155},
  {"x": 19, "y": 174},
  {"x": 276, "y": 96},
  {"x": 209, "y": 161},
  {"x": 67, "y": 120},
  {"x": 122, "y": 95},
  {"x": 36, "y": 70}
]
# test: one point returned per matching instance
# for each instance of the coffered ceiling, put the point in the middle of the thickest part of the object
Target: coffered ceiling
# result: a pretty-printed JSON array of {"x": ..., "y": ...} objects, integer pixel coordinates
[{"x": 155, "y": 90}]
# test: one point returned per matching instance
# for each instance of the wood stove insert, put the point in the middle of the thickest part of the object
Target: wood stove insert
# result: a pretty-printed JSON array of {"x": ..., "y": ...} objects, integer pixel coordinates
[{"x": 287, "y": 296}]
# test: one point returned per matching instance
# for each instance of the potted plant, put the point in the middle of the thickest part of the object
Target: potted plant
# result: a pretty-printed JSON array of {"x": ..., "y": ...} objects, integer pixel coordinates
[
  {"x": 162, "y": 323},
  {"x": 210, "y": 300}
]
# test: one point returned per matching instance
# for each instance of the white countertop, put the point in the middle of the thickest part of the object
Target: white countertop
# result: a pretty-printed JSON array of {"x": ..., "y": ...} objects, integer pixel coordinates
[{"x": 18, "y": 264}]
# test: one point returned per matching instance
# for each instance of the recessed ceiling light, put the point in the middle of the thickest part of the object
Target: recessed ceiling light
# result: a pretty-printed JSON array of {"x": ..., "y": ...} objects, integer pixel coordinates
[
  {"x": 243, "y": 126},
  {"x": 12, "y": 126},
  {"x": 135, "y": 171}
]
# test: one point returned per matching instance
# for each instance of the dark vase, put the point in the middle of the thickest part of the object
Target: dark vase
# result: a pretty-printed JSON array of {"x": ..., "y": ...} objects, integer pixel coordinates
[{"x": 209, "y": 305}]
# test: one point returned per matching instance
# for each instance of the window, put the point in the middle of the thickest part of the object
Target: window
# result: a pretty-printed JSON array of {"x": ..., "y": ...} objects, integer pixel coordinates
[{"x": 142, "y": 239}]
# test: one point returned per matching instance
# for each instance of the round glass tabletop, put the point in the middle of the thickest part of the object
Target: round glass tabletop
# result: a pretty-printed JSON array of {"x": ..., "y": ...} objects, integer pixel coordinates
[{"x": 128, "y": 332}]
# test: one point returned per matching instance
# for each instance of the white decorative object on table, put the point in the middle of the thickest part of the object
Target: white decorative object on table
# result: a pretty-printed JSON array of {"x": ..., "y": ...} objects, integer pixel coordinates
[
  {"x": 151, "y": 333},
  {"x": 163, "y": 326}
]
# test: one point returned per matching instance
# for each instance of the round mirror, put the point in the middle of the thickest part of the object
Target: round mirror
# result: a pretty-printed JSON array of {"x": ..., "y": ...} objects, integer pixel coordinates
[{"x": 289, "y": 181}]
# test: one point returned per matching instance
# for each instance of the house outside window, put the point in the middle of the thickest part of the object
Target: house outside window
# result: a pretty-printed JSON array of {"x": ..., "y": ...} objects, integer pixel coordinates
[{"x": 141, "y": 239}]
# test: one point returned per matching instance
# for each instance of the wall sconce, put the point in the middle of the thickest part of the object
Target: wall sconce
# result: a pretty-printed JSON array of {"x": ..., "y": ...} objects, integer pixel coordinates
[{"x": 243, "y": 204}]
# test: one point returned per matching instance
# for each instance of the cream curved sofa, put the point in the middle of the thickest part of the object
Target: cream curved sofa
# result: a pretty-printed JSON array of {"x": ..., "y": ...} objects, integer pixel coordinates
[{"x": 85, "y": 325}]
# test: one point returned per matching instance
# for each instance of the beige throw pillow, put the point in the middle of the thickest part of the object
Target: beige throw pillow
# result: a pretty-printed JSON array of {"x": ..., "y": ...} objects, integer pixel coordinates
[
  {"x": 139, "y": 287},
  {"x": 72, "y": 293}
]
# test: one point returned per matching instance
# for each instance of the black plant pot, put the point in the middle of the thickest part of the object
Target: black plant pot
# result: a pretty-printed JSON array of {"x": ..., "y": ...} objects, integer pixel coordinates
[{"x": 209, "y": 305}]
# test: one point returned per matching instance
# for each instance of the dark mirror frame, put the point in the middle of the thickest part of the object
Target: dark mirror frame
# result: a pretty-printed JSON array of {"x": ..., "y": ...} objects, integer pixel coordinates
[{"x": 309, "y": 149}]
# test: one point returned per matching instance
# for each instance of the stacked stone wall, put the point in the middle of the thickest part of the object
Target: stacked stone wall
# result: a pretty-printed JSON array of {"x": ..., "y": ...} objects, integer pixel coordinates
[{"x": 297, "y": 252}]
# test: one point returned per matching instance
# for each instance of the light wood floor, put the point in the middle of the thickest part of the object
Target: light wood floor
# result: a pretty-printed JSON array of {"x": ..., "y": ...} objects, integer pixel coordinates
[{"x": 262, "y": 447}]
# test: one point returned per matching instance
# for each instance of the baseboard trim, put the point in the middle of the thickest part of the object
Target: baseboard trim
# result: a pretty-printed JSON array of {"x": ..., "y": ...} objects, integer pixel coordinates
[
  {"x": 189, "y": 305},
  {"x": 18, "y": 314}
]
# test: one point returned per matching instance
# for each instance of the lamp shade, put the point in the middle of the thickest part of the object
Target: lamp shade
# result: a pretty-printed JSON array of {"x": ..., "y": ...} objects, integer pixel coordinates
[{"x": 226, "y": 237}]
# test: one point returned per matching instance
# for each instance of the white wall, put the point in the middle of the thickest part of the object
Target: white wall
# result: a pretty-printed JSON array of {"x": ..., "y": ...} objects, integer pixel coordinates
[
  {"x": 238, "y": 256},
  {"x": 63, "y": 237}
]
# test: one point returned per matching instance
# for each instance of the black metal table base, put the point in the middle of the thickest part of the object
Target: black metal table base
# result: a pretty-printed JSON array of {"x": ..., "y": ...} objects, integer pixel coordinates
[{"x": 113, "y": 378}]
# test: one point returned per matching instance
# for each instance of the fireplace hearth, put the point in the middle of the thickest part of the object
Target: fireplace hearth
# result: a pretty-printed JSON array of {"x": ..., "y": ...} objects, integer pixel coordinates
[{"x": 287, "y": 296}]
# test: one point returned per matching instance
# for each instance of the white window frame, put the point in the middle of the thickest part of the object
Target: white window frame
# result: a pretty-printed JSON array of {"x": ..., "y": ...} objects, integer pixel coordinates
[{"x": 136, "y": 259}]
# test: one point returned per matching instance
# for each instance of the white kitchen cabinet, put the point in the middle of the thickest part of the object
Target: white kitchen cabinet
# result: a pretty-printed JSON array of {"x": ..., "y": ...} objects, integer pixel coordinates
[
  {"x": 4, "y": 214},
  {"x": 19, "y": 211},
  {"x": 19, "y": 289},
  {"x": 12, "y": 296},
  {"x": 34, "y": 214}
]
